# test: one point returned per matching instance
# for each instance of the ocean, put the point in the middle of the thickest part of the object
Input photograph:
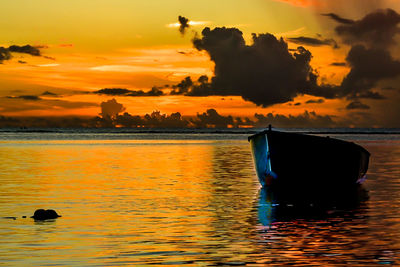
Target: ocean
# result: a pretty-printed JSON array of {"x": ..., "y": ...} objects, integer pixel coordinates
[{"x": 157, "y": 197}]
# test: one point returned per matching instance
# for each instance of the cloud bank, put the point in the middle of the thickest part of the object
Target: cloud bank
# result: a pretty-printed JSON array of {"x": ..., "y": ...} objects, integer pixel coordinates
[
  {"x": 267, "y": 72},
  {"x": 370, "y": 57}
]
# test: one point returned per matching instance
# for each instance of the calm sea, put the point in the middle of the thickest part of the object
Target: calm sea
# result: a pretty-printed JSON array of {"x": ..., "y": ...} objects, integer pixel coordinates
[{"x": 153, "y": 198}]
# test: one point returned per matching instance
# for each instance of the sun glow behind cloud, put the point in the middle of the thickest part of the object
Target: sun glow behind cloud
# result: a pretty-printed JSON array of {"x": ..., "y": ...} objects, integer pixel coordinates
[{"x": 191, "y": 23}]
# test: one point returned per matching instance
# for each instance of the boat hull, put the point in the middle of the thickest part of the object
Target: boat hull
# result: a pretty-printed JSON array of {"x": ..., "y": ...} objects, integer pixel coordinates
[{"x": 295, "y": 161}]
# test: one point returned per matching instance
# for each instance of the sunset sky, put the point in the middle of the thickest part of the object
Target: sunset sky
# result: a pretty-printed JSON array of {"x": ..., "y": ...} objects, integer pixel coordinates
[{"x": 57, "y": 55}]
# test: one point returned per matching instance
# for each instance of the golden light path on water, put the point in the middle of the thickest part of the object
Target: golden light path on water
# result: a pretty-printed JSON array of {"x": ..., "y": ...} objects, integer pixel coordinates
[{"x": 193, "y": 202}]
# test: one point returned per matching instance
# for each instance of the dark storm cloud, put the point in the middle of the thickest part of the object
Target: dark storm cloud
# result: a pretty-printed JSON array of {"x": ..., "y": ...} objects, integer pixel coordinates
[
  {"x": 302, "y": 40},
  {"x": 339, "y": 19},
  {"x": 357, "y": 105},
  {"x": 155, "y": 91},
  {"x": 376, "y": 29},
  {"x": 369, "y": 58},
  {"x": 368, "y": 67},
  {"x": 264, "y": 73},
  {"x": 315, "y": 101},
  {"x": 183, "y": 24},
  {"x": 26, "y": 49}
]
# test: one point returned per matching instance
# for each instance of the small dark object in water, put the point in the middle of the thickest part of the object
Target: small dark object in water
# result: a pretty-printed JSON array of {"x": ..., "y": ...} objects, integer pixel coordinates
[
  {"x": 42, "y": 214},
  {"x": 24, "y": 216}
]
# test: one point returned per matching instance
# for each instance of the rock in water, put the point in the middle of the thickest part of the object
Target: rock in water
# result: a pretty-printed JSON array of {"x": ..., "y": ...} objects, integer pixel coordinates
[{"x": 42, "y": 214}]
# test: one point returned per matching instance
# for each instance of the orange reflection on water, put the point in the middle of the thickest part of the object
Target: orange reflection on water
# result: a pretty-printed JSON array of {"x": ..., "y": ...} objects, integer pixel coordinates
[{"x": 154, "y": 196}]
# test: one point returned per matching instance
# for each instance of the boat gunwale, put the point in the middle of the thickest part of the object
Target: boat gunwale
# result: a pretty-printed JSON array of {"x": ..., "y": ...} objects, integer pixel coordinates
[
  {"x": 308, "y": 135},
  {"x": 256, "y": 134}
]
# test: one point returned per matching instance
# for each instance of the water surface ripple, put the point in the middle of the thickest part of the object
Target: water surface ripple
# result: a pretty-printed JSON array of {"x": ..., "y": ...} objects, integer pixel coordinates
[{"x": 189, "y": 201}]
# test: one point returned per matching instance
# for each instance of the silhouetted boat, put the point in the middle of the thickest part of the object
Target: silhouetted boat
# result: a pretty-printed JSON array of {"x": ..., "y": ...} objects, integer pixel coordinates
[{"x": 295, "y": 161}]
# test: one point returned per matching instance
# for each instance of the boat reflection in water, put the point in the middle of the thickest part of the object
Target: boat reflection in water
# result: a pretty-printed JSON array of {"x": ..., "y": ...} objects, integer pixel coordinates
[{"x": 279, "y": 206}]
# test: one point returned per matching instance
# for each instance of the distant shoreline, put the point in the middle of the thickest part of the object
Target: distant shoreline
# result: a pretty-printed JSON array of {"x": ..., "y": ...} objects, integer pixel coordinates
[{"x": 338, "y": 131}]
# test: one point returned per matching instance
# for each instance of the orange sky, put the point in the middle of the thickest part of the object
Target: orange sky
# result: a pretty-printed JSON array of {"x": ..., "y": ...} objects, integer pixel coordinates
[{"x": 136, "y": 45}]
